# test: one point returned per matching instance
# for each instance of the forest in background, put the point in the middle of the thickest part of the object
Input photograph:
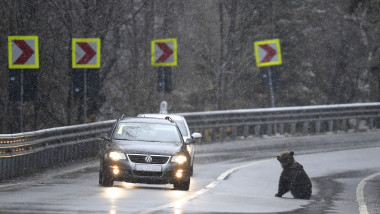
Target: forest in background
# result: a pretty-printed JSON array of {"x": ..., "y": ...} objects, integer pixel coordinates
[{"x": 330, "y": 55}]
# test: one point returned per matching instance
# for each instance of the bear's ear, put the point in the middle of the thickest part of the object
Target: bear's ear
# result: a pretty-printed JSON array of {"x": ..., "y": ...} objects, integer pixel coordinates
[{"x": 291, "y": 153}]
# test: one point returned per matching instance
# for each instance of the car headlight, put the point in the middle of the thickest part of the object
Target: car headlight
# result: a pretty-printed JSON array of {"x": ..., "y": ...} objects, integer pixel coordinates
[
  {"x": 117, "y": 156},
  {"x": 180, "y": 159}
]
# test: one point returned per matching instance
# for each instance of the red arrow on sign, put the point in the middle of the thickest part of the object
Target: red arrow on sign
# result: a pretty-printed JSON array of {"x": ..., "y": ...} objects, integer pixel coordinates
[
  {"x": 90, "y": 53},
  {"x": 270, "y": 52},
  {"x": 167, "y": 52},
  {"x": 27, "y": 52}
]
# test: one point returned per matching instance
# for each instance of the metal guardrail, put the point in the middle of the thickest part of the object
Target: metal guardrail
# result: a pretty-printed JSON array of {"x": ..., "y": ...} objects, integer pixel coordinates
[
  {"x": 29, "y": 152},
  {"x": 288, "y": 120},
  {"x": 25, "y": 153}
]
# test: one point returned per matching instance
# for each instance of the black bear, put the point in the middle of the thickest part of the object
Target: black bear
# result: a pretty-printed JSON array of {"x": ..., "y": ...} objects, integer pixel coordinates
[{"x": 293, "y": 177}]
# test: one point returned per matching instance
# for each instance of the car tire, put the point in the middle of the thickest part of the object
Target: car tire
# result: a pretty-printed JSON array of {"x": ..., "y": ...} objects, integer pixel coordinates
[
  {"x": 191, "y": 171},
  {"x": 100, "y": 177},
  {"x": 105, "y": 179},
  {"x": 182, "y": 185}
]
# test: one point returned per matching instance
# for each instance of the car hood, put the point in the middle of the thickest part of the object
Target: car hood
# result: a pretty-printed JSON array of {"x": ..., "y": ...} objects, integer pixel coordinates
[{"x": 152, "y": 148}]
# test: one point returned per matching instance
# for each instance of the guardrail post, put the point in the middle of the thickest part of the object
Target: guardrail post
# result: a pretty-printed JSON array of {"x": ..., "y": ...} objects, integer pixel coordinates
[
  {"x": 330, "y": 125},
  {"x": 67, "y": 153},
  {"x": 234, "y": 132},
  {"x": 305, "y": 128},
  {"x": 318, "y": 127},
  {"x": 56, "y": 154},
  {"x": 269, "y": 129},
  {"x": 293, "y": 128},
  {"x": 5, "y": 168},
  {"x": 40, "y": 158},
  {"x": 344, "y": 125},
  {"x": 16, "y": 165},
  {"x": 357, "y": 126},
  {"x": 27, "y": 162},
  {"x": 8, "y": 168},
  {"x": 46, "y": 158},
  {"x": 64, "y": 153},
  {"x": 22, "y": 164},
  {"x": 76, "y": 151},
  {"x": 257, "y": 130},
  {"x": 246, "y": 131},
  {"x": 12, "y": 167},
  {"x": 370, "y": 123},
  {"x": 281, "y": 128},
  {"x": 71, "y": 152},
  {"x": 37, "y": 161},
  {"x": 203, "y": 132},
  {"x": 59, "y": 155},
  {"x": 223, "y": 133},
  {"x": 212, "y": 134},
  {"x": 32, "y": 159},
  {"x": 22, "y": 167},
  {"x": 51, "y": 156},
  {"x": 2, "y": 169},
  {"x": 34, "y": 165},
  {"x": 82, "y": 149}
]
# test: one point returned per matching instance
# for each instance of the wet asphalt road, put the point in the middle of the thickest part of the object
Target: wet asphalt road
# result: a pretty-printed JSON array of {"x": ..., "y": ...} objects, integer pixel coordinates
[
  {"x": 73, "y": 188},
  {"x": 337, "y": 190}
]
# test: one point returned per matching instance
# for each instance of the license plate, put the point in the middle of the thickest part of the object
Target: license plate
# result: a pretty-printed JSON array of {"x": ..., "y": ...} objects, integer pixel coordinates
[{"x": 148, "y": 168}]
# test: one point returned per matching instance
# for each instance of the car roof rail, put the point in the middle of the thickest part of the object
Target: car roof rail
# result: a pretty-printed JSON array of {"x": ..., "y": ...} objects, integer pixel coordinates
[{"x": 170, "y": 119}]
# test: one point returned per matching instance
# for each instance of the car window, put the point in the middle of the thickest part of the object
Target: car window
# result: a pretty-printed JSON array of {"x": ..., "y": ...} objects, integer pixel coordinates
[
  {"x": 147, "y": 132},
  {"x": 182, "y": 127}
]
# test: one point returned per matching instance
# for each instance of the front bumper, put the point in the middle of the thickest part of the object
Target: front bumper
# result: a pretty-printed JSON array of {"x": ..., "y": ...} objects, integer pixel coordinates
[{"x": 125, "y": 170}]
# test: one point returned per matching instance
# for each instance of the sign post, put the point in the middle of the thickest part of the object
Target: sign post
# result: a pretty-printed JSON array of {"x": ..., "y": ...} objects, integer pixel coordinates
[
  {"x": 23, "y": 54},
  {"x": 85, "y": 54},
  {"x": 164, "y": 54},
  {"x": 268, "y": 53}
]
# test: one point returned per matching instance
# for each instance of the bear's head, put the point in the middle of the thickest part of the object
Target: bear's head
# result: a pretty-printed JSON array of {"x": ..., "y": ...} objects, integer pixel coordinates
[{"x": 286, "y": 159}]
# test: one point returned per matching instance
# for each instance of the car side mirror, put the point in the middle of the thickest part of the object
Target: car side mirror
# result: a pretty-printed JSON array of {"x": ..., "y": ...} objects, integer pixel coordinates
[
  {"x": 104, "y": 136},
  {"x": 196, "y": 135},
  {"x": 190, "y": 140}
]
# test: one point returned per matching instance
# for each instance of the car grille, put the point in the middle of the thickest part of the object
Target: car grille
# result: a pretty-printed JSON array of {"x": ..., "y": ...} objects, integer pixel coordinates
[{"x": 156, "y": 159}]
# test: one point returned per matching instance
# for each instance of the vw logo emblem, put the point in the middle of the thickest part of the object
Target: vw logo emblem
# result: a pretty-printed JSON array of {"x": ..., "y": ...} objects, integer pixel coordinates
[{"x": 148, "y": 159}]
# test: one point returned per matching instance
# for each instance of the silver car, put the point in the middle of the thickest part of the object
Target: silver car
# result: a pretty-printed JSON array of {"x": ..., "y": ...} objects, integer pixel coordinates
[{"x": 184, "y": 128}]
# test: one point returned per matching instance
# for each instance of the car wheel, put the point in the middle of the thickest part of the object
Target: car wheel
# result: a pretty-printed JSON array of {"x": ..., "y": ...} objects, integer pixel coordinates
[
  {"x": 100, "y": 172},
  {"x": 105, "y": 179},
  {"x": 191, "y": 171},
  {"x": 182, "y": 185},
  {"x": 100, "y": 176}
]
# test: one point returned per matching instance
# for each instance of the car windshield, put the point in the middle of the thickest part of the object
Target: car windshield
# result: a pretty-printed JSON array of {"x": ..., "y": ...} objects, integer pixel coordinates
[{"x": 147, "y": 132}]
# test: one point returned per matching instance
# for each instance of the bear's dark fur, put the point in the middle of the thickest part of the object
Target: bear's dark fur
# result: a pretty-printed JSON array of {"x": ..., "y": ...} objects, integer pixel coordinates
[{"x": 293, "y": 178}]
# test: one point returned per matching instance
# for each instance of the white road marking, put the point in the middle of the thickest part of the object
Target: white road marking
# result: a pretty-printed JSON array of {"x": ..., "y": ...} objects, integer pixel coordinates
[
  {"x": 179, "y": 203},
  {"x": 360, "y": 193}
]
